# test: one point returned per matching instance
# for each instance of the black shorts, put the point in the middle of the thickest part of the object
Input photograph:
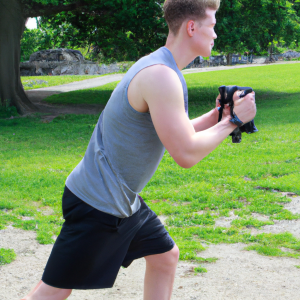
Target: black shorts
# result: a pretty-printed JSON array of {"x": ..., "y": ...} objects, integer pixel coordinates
[{"x": 92, "y": 245}]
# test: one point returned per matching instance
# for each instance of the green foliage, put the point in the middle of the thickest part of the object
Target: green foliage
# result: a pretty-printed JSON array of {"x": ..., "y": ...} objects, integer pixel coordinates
[
  {"x": 33, "y": 40},
  {"x": 6, "y": 110},
  {"x": 138, "y": 29},
  {"x": 256, "y": 24},
  {"x": 7, "y": 256},
  {"x": 50, "y": 2}
]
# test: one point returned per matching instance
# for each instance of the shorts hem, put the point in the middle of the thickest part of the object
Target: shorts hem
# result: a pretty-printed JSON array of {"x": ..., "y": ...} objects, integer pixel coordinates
[{"x": 127, "y": 263}]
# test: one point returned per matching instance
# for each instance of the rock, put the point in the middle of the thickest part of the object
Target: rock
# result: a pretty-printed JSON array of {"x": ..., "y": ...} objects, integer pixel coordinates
[
  {"x": 291, "y": 54},
  {"x": 217, "y": 60},
  {"x": 64, "y": 62},
  {"x": 59, "y": 54},
  {"x": 259, "y": 59}
]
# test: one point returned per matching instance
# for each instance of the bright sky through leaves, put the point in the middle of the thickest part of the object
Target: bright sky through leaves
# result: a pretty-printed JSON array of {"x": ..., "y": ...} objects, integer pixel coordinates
[{"x": 31, "y": 24}]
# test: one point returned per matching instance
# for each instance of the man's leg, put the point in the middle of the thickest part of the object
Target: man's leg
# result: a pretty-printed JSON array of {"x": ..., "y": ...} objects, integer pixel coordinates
[
  {"x": 160, "y": 274},
  {"x": 46, "y": 292}
]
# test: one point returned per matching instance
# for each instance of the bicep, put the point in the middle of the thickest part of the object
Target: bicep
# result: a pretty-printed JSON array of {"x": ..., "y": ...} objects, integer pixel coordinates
[{"x": 164, "y": 97}]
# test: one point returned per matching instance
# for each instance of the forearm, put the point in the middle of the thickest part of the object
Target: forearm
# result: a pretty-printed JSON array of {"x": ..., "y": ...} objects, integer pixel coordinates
[
  {"x": 206, "y": 121},
  {"x": 204, "y": 142}
]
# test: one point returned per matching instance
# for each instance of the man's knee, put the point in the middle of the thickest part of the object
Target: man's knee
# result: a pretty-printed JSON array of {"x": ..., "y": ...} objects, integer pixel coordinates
[
  {"x": 44, "y": 291},
  {"x": 173, "y": 255},
  {"x": 167, "y": 260}
]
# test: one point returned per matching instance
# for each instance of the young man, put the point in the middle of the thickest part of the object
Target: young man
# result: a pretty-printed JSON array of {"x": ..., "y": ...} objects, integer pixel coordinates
[{"x": 106, "y": 223}]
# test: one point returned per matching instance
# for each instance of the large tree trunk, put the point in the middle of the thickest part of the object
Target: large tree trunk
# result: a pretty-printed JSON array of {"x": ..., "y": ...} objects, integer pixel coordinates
[
  {"x": 229, "y": 59},
  {"x": 12, "y": 25}
]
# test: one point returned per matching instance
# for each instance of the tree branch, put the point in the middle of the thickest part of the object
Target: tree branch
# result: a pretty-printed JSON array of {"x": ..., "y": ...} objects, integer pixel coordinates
[{"x": 37, "y": 9}]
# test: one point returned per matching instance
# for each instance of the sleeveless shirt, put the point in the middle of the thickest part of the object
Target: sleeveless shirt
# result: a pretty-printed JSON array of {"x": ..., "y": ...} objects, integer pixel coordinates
[{"x": 124, "y": 150}]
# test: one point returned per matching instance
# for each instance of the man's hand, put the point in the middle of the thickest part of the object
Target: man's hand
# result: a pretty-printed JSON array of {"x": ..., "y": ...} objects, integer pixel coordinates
[
  {"x": 244, "y": 108},
  {"x": 226, "y": 110}
]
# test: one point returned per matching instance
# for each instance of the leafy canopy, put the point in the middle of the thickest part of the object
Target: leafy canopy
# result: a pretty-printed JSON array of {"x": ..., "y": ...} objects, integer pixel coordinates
[
  {"x": 256, "y": 24},
  {"x": 52, "y": 2},
  {"x": 117, "y": 30}
]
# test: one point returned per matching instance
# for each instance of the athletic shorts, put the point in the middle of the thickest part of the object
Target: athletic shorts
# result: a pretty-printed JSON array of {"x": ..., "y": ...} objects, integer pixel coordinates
[{"x": 92, "y": 245}]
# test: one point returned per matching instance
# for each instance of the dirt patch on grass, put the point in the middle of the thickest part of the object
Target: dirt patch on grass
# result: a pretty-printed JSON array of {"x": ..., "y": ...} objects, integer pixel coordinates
[
  {"x": 52, "y": 111},
  {"x": 237, "y": 274}
]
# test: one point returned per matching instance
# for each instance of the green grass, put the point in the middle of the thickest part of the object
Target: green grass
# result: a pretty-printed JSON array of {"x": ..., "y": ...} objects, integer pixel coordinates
[
  {"x": 34, "y": 82},
  {"x": 271, "y": 251},
  {"x": 200, "y": 270},
  {"x": 7, "y": 112},
  {"x": 36, "y": 158},
  {"x": 250, "y": 222},
  {"x": 98, "y": 95},
  {"x": 7, "y": 256}
]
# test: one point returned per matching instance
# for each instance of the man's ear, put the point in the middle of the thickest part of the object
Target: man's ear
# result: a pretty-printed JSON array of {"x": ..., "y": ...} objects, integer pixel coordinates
[{"x": 190, "y": 28}]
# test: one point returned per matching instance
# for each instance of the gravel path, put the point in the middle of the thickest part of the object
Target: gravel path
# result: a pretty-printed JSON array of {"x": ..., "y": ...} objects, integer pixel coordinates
[
  {"x": 37, "y": 96},
  {"x": 237, "y": 274},
  {"x": 82, "y": 85}
]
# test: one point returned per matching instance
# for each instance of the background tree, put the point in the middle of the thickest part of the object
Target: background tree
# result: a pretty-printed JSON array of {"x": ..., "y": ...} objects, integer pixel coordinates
[
  {"x": 272, "y": 21},
  {"x": 256, "y": 24},
  {"x": 231, "y": 29},
  {"x": 34, "y": 40},
  {"x": 14, "y": 13},
  {"x": 134, "y": 29}
]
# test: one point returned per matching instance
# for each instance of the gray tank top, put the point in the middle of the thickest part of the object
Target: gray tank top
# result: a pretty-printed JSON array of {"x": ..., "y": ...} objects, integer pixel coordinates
[{"x": 124, "y": 150}]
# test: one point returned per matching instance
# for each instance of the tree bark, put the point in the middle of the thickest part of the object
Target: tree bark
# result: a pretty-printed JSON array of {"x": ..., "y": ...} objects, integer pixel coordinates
[
  {"x": 229, "y": 59},
  {"x": 271, "y": 52},
  {"x": 12, "y": 25}
]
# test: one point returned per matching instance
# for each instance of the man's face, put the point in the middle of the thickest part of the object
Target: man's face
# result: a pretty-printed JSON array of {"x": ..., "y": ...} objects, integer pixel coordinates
[{"x": 204, "y": 34}]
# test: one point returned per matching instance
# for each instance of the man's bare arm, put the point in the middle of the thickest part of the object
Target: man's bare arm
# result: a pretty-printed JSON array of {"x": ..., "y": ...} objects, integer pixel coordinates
[
  {"x": 162, "y": 91},
  {"x": 206, "y": 121}
]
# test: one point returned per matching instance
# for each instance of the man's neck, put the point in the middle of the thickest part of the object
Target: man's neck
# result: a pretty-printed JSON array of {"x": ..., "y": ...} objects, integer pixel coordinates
[{"x": 180, "y": 50}]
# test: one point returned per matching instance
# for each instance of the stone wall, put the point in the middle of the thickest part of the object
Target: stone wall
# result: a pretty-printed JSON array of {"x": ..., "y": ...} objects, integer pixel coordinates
[
  {"x": 291, "y": 54},
  {"x": 64, "y": 68},
  {"x": 72, "y": 62},
  {"x": 221, "y": 60},
  {"x": 64, "y": 62}
]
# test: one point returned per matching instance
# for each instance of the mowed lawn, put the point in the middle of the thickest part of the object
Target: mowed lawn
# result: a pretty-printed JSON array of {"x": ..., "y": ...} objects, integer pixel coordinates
[
  {"x": 242, "y": 179},
  {"x": 36, "y": 82}
]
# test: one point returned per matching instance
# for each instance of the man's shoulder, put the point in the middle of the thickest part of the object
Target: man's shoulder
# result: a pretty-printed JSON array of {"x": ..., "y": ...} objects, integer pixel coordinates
[{"x": 158, "y": 75}]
